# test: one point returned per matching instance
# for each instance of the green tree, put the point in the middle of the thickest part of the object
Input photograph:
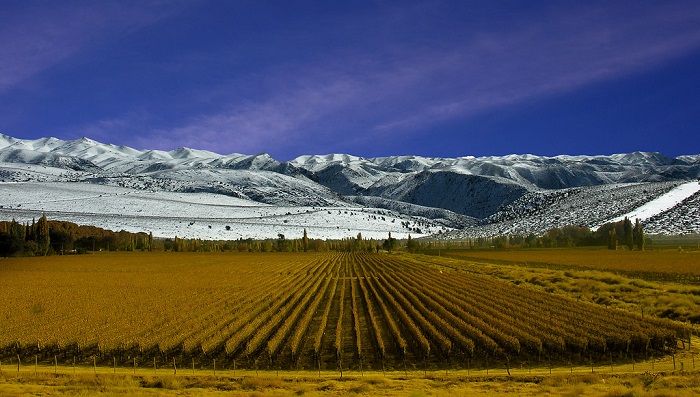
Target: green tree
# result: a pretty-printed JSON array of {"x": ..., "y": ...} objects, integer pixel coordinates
[
  {"x": 390, "y": 243},
  {"x": 16, "y": 239},
  {"x": 612, "y": 239},
  {"x": 411, "y": 245},
  {"x": 627, "y": 237},
  {"x": 282, "y": 244},
  {"x": 638, "y": 235},
  {"x": 358, "y": 244},
  {"x": 43, "y": 239}
]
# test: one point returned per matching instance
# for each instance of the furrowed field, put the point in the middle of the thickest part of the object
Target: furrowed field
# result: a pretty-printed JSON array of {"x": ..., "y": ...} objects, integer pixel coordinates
[{"x": 321, "y": 311}]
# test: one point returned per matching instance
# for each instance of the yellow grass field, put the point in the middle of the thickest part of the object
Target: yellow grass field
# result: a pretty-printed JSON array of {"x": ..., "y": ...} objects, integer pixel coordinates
[
  {"x": 318, "y": 324},
  {"x": 661, "y": 261},
  {"x": 617, "y": 381}
]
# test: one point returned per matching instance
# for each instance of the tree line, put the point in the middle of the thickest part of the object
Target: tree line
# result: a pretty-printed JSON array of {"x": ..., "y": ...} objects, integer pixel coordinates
[
  {"x": 44, "y": 237},
  {"x": 614, "y": 235}
]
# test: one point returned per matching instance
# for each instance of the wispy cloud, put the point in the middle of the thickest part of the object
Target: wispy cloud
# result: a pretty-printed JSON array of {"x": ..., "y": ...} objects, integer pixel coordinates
[
  {"x": 36, "y": 38},
  {"x": 560, "y": 52},
  {"x": 352, "y": 95},
  {"x": 248, "y": 127}
]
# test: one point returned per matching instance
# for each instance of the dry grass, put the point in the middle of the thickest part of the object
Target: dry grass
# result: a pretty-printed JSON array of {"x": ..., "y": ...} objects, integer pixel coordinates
[
  {"x": 643, "y": 385},
  {"x": 169, "y": 307},
  {"x": 665, "y": 261},
  {"x": 589, "y": 282},
  {"x": 117, "y": 299},
  {"x": 151, "y": 285}
]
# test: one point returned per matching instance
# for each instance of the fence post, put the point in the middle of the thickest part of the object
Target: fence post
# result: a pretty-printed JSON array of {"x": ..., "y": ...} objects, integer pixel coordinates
[
  {"x": 632, "y": 361},
  {"x": 673, "y": 354}
]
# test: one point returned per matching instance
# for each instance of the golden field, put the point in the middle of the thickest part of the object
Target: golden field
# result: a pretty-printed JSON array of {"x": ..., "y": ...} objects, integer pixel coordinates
[
  {"x": 650, "y": 261},
  {"x": 334, "y": 323}
]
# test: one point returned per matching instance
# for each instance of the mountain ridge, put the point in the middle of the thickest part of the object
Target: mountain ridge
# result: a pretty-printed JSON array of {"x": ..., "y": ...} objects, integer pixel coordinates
[{"x": 462, "y": 190}]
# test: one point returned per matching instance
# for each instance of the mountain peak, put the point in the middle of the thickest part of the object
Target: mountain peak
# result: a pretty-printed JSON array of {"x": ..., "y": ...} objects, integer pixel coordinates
[{"x": 471, "y": 187}]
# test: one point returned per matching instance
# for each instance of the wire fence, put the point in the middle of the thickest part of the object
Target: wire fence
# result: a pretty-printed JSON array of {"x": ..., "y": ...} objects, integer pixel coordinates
[{"x": 685, "y": 361}]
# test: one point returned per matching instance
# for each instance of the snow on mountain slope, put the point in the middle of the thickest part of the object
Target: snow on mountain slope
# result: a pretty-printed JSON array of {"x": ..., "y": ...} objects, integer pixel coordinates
[
  {"x": 523, "y": 193},
  {"x": 682, "y": 218},
  {"x": 465, "y": 194},
  {"x": 199, "y": 215},
  {"x": 392, "y": 177},
  {"x": 24, "y": 156},
  {"x": 662, "y": 203},
  {"x": 439, "y": 215},
  {"x": 260, "y": 186},
  {"x": 19, "y": 172},
  {"x": 590, "y": 206}
]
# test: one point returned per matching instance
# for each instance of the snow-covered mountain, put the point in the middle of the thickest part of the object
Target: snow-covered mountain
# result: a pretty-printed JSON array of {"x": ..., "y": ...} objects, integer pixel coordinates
[{"x": 478, "y": 196}]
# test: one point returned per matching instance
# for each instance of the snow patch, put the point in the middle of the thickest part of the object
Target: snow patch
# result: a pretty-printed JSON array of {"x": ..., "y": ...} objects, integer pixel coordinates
[{"x": 661, "y": 204}]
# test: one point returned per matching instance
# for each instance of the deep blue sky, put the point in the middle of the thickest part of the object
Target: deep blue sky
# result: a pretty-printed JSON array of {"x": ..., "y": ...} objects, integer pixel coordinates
[{"x": 369, "y": 78}]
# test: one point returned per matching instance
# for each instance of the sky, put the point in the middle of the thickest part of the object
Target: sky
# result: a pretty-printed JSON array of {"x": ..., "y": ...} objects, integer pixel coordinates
[{"x": 368, "y": 78}]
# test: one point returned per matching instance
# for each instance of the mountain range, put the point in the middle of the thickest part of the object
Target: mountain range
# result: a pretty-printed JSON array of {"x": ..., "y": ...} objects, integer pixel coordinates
[{"x": 462, "y": 197}]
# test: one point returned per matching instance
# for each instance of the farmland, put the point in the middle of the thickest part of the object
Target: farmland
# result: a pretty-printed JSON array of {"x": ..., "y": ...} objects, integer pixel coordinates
[
  {"x": 329, "y": 311},
  {"x": 660, "y": 261}
]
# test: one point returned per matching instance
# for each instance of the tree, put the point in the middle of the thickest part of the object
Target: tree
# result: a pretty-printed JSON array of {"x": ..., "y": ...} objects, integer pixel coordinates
[
  {"x": 390, "y": 243},
  {"x": 612, "y": 239},
  {"x": 638, "y": 235},
  {"x": 627, "y": 237},
  {"x": 305, "y": 241},
  {"x": 411, "y": 245},
  {"x": 282, "y": 244},
  {"x": 43, "y": 239},
  {"x": 16, "y": 238},
  {"x": 358, "y": 244}
]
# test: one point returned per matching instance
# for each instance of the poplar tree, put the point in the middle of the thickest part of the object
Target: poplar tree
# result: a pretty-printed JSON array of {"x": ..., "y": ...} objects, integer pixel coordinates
[
  {"x": 389, "y": 243},
  {"x": 627, "y": 238},
  {"x": 612, "y": 239},
  {"x": 305, "y": 241},
  {"x": 43, "y": 238},
  {"x": 638, "y": 235},
  {"x": 411, "y": 245}
]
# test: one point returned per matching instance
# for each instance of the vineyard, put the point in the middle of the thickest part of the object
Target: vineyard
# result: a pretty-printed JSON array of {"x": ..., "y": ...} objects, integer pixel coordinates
[{"x": 314, "y": 311}]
